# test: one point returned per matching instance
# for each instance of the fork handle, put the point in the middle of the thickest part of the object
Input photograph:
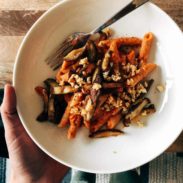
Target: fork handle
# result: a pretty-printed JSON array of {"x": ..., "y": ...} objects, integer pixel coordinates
[{"x": 126, "y": 10}]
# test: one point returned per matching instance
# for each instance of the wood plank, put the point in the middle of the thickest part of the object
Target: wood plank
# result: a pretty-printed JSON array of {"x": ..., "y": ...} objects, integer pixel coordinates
[
  {"x": 174, "y": 8},
  {"x": 177, "y": 145},
  {"x": 17, "y": 23},
  {"x": 27, "y": 4},
  {"x": 8, "y": 50}
]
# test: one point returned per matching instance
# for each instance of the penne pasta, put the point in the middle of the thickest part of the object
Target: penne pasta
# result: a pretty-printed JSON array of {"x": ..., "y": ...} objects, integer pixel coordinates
[
  {"x": 65, "y": 118},
  {"x": 146, "y": 47},
  {"x": 145, "y": 70},
  {"x": 131, "y": 57},
  {"x": 75, "y": 123},
  {"x": 131, "y": 41},
  {"x": 100, "y": 122}
]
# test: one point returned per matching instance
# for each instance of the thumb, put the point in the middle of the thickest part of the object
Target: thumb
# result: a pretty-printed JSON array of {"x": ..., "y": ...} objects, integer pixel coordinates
[{"x": 8, "y": 109}]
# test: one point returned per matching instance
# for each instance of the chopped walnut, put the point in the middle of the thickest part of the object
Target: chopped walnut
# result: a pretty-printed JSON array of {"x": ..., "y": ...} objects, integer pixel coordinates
[
  {"x": 133, "y": 69},
  {"x": 96, "y": 86},
  {"x": 160, "y": 88},
  {"x": 140, "y": 124},
  {"x": 108, "y": 32},
  {"x": 130, "y": 81},
  {"x": 141, "y": 89},
  {"x": 116, "y": 77},
  {"x": 76, "y": 80},
  {"x": 84, "y": 61},
  {"x": 89, "y": 80},
  {"x": 75, "y": 110},
  {"x": 144, "y": 113}
]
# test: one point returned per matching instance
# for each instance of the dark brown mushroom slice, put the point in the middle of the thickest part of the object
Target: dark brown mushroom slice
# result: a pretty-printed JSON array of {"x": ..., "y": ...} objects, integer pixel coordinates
[
  {"x": 112, "y": 85},
  {"x": 91, "y": 51},
  {"x": 44, "y": 95},
  {"x": 149, "y": 109},
  {"x": 106, "y": 133},
  {"x": 51, "y": 109},
  {"x": 75, "y": 54},
  {"x": 42, "y": 117},
  {"x": 59, "y": 105},
  {"x": 135, "y": 112},
  {"x": 50, "y": 82}
]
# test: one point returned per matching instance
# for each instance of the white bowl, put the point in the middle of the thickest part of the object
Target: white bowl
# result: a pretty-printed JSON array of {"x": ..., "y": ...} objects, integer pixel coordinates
[{"x": 139, "y": 145}]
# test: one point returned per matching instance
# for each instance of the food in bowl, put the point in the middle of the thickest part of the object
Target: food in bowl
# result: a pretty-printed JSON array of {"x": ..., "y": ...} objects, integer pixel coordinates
[{"x": 99, "y": 85}]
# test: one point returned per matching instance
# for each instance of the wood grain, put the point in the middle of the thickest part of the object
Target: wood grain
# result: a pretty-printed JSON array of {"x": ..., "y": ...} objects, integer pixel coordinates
[
  {"x": 27, "y": 4},
  {"x": 174, "y": 8},
  {"x": 17, "y": 16},
  {"x": 17, "y": 23}
]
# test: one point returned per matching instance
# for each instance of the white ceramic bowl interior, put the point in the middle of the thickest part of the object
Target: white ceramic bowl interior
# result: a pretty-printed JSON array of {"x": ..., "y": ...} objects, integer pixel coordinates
[{"x": 138, "y": 145}]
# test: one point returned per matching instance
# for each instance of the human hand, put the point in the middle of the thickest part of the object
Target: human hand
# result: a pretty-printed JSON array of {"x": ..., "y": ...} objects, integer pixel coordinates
[{"x": 28, "y": 162}]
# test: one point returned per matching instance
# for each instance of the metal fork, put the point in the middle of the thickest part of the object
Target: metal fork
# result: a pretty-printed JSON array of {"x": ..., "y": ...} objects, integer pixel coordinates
[{"x": 79, "y": 38}]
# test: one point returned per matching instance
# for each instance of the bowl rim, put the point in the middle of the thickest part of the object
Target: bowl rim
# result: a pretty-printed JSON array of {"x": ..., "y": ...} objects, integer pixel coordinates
[{"x": 18, "y": 56}]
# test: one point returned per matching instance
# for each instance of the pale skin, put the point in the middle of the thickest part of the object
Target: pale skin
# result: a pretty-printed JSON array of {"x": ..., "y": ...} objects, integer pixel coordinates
[{"x": 28, "y": 163}]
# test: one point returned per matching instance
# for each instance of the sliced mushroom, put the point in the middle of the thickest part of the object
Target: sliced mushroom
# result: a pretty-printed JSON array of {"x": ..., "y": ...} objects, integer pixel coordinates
[
  {"x": 106, "y": 133},
  {"x": 106, "y": 60},
  {"x": 148, "y": 110},
  {"x": 137, "y": 110},
  {"x": 58, "y": 90},
  {"x": 50, "y": 82},
  {"x": 59, "y": 106},
  {"x": 51, "y": 109},
  {"x": 95, "y": 74},
  {"x": 91, "y": 51},
  {"x": 111, "y": 85},
  {"x": 75, "y": 54},
  {"x": 44, "y": 95}
]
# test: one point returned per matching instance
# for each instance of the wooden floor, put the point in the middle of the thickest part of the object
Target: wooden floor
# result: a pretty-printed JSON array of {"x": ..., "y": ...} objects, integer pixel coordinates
[{"x": 17, "y": 16}]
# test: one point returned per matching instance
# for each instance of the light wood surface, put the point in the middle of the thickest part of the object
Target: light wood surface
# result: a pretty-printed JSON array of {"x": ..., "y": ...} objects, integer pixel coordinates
[{"x": 17, "y": 16}]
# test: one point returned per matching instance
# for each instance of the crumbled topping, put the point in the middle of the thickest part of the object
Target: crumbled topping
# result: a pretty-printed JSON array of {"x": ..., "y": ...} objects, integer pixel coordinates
[
  {"x": 130, "y": 81},
  {"x": 106, "y": 74},
  {"x": 133, "y": 69},
  {"x": 107, "y": 107},
  {"x": 119, "y": 102},
  {"x": 89, "y": 80},
  {"x": 89, "y": 105},
  {"x": 140, "y": 124},
  {"x": 124, "y": 109},
  {"x": 116, "y": 77},
  {"x": 141, "y": 89},
  {"x": 76, "y": 80},
  {"x": 108, "y": 32},
  {"x": 99, "y": 62},
  {"x": 75, "y": 110},
  {"x": 96, "y": 86},
  {"x": 127, "y": 104},
  {"x": 137, "y": 71},
  {"x": 160, "y": 88},
  {"x": 144, "y": 113},
  {"x": 76, "y": 86},
  {"x": 84, "y": 61}
]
